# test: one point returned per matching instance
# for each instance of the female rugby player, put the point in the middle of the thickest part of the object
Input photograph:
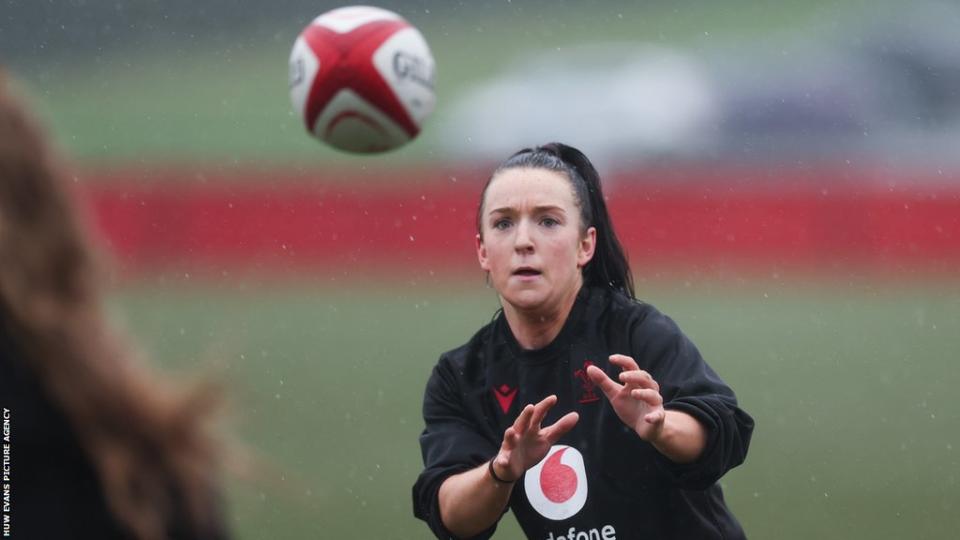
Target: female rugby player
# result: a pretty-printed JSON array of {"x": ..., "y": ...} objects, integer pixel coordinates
[{"x": 585, "y": 411}]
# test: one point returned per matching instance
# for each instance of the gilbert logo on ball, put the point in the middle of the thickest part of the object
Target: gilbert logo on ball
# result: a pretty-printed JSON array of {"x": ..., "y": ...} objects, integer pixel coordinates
[
  {"x": 362, "y": 79},
  {"x": 557, "y": 486}
]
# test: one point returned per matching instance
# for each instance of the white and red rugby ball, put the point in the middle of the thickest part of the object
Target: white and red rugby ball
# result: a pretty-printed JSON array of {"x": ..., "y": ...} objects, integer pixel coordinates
[{"x": 362, "y": 79}]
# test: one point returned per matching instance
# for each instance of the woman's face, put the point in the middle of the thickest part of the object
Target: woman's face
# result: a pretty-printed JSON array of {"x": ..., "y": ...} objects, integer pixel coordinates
[{"x": 530, "y": 240}]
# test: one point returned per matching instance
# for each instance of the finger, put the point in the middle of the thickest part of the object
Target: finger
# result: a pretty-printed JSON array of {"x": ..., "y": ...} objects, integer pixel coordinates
[
  {"x": 541, "y": 409},
  {"x": 625, "y": 362},
  {"x": 561, "y": 427},
  {"x": 509, "y": 439},
  {"x": 609, "y": 387},
  {"x": 648, "y": 396},
  {"x": 655, "y": 417},
  {"x": 638, "y": 378},
  {"x": 522, "y": 423}
]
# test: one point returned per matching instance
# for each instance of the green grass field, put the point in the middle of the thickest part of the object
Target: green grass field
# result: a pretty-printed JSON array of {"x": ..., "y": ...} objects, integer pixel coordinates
[{"x": 852, "y": 385}]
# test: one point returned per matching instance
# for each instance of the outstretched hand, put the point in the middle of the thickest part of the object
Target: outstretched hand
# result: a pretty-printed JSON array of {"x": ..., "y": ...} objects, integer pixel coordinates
[
  {"x": 637, "y": 401},
  {"x": 526, "y": 443}
]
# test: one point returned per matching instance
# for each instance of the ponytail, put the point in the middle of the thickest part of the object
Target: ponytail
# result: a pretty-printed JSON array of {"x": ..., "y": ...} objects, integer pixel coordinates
[{"x": 609, "y": 267}]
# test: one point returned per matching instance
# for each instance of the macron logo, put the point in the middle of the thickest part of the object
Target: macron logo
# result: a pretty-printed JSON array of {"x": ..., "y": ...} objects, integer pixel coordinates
[{"x": 504, "y": 395}]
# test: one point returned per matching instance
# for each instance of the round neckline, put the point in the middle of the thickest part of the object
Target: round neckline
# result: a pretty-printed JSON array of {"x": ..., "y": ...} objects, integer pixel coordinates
[{"x": 550, "y": 350}]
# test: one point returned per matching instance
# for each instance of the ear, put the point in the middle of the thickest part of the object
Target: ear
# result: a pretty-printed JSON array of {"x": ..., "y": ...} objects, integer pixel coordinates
[
  {"x": 482, "y": 254},
  {"x": 588, "y": 244}
]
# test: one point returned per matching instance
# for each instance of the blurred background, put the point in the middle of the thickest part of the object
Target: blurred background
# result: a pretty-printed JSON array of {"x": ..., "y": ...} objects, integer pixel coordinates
[{"x": 783, "y": 175}]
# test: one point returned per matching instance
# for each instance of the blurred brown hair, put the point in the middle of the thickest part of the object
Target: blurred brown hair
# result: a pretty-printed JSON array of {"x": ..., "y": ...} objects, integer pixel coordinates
[{"x": 148, "y": 440}]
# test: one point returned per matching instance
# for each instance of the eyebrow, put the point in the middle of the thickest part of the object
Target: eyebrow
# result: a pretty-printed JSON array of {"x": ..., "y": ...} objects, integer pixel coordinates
[{"x": 536, "y": 209}]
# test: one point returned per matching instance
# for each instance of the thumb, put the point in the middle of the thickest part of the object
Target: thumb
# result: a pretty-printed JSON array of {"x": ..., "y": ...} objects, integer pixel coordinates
[{"x": 609, "y": 387}]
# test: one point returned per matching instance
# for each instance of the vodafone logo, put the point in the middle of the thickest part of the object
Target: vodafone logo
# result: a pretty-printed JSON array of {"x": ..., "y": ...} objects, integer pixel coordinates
[{"x": 557, "y": 486}]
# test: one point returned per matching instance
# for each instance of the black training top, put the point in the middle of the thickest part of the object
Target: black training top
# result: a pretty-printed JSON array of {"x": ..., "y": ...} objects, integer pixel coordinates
[
  {"x": 54, "y": 490},
  {"x": 600, "y": 480}
]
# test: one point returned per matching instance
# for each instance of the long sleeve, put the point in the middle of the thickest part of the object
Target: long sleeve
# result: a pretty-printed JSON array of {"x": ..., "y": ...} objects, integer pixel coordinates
[
  {"x": 450, "y": 444},
  {"x": 689, "y": 385}
]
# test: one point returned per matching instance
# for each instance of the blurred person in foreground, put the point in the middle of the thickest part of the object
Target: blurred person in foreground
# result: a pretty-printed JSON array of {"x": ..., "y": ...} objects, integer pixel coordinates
[
  {"x": 585, "y": 411},
  {"x": 99, "y": 447}
]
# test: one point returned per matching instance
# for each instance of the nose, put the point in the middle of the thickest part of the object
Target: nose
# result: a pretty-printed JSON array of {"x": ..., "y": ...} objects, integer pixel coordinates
[{"x": 523, "y": 242}]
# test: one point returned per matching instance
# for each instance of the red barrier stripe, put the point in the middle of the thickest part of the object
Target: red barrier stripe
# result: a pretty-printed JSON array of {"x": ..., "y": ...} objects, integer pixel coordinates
[{"x": 819, "y": 219}]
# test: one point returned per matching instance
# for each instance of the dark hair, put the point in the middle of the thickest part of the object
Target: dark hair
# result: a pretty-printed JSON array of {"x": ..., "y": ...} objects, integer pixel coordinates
[
  {"x": 147, "y": 437},
  {"x": 609, "y": 267}
]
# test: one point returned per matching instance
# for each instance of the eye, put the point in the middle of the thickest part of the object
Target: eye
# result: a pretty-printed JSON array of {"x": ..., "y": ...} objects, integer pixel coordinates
[
  {"x": 549, "y": 222},
  {"x": 501, "y": 224}
]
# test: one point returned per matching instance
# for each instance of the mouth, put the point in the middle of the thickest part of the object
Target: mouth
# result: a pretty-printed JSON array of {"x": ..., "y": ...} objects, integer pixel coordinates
[{"x": 526, "y": 271}]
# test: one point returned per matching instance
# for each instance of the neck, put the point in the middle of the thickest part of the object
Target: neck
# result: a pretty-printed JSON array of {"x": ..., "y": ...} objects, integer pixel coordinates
[{"x": 537, "y": 328}]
